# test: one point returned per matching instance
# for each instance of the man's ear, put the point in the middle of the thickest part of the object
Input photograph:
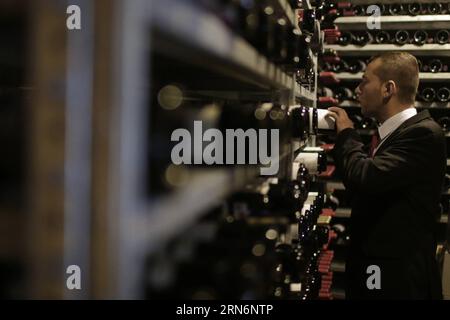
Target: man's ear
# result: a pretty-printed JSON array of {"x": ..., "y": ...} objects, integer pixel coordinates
[{"x": 390, "y": 88}]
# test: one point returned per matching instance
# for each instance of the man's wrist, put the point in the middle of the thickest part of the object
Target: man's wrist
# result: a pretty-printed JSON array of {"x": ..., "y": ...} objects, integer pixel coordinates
[
  {"x": 345, "y": 129},
  {"x": 344, "y": 134}
]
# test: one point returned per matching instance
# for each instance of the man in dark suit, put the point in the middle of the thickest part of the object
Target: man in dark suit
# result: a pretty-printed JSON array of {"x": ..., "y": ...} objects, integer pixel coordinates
[{"x": 395, "y": 186}]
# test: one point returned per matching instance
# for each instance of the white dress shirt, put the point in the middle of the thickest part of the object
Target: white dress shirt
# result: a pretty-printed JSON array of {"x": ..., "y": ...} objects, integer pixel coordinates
[{"x": 389, "y": 126}]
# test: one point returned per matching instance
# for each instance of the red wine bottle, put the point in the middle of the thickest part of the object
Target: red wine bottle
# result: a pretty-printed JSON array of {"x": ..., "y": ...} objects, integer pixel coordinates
[
  {"x": 401, "y": 37},
  {"x": 428, "y": 94},
  {"x": 435, "y": 8},
  {"x": 414, "y": 8},
  {"x": 382, "y": 37},
  {"x": 420, "y": 37},
  {"x": 442, "y": 37},
  {"x": 443, "y": 94},
  {"x": 396, "y": 9}
]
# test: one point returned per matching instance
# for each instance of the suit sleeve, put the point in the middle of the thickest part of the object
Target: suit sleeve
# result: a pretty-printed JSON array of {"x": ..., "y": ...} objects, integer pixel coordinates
[{"x": 400, "y": 164}]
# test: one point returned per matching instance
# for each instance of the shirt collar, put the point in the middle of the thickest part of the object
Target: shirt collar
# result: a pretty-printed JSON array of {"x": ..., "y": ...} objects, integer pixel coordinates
[{"x": 395, "y": 121}]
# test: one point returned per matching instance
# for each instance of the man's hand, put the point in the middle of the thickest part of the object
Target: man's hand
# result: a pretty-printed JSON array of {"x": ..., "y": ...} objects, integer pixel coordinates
[{"x": 341, "y": 117}]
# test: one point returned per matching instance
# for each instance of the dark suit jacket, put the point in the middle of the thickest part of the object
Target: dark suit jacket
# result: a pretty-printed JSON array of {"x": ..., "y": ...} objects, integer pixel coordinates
[{"x": 395, "y": 204}]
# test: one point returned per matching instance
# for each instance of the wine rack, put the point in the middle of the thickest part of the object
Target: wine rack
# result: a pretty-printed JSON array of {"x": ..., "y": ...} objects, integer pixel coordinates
[
  {"x": 89, "y": 121},
  {"x": 101, "y": 191},
  {"x": 215, "y": 64}
]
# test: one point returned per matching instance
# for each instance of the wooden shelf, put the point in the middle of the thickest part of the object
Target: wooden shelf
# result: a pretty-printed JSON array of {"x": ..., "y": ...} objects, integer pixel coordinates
[
  {"x": 217, "y": 46},
  {"x": 418, "y": 104},
  {"x": 289, "y": 13},
  {"x": 373, "y": 49},
  {"x": 347, "y": 213},
  {"x": 423, "y": 76},
  {"x": 426, "y": 22},
  {"x": 369, "y": 2},
  {"x": 206, "y": 188}
]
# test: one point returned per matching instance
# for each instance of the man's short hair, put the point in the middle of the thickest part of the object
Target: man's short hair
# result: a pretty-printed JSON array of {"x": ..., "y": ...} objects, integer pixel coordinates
[{"x": 403, "y": 69}]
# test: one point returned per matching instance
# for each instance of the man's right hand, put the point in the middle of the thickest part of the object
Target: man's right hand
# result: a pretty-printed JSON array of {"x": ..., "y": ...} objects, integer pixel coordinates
[{"x": 341, "y": 117}]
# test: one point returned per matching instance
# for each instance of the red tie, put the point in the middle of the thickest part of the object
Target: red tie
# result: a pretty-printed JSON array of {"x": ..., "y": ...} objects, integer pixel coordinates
[{"x": 374, "y": 143}]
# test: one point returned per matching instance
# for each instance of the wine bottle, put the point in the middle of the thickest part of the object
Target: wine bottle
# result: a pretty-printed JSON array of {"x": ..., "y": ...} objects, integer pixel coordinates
[
  {"x": 300, "y": 122},
  {"x": 359, "y": 10},
  {"x": 363, "y": 38},
  {"x": 445, "y": 187},
  {"x": 327, "y": 92},
  {"x": 315, "y": 162},
  {"x": 396, "y": 9},
  {"x": 308, "y": 21},
  {"x": 287, "y": 197},
  {"x": 435, "y": 8},
  {"x": 357, "y": 120},
  {"x": 341, "y": 66},
  {"x": 303, "y": 181},
  {"x": 296, "y": 4},
  {"x": 249, "y": 19},
  {"x": 298, "y": 55},
  {"x": 414, "y": 8},
  {"x": 401, "y": 37},
  {"x": 321, "y": 121},
  {"x": 327, "y": 66},
  {"x": 331, "y": 201},
  {"x": 280, "y": 52},
  {"x": 443, "y": 94},
  {"x": 444, "y": 122},
  {"x": 442, "y": 37},
  {"x": 343, "y": 93},
  {"x": 420, "y": 37},
  {"x": 382, "y": 37},
  {"x": 357, "y": 66},
  {"x": 369, "y": 123},
  {"x": 435, "y": 66},
  {"x": 267, "y": 32},
  {"x": 342, "y": 238},
  {"x": 346, "y": 38},
  {"x": 428, "y": 94},
  {"x": 382, "y": 8}
]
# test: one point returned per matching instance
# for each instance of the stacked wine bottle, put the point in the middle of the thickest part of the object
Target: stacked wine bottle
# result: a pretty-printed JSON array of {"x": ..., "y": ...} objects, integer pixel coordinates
[
  {"x": 396, "y": 9},
  {"x": 398, "y": 37},
  {"x": 356, "y": 65}
]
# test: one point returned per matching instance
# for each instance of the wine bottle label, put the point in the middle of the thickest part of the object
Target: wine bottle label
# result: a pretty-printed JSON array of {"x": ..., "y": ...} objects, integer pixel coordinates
[
  {"x": 309, "y": 159},
  {"x": 311, "y": 197},
  {"x": 324, "y": 121},
  {"x": 323, "y": 220},
  {"x": 305, "y": 208},
  {"x": 294, "y": 230},
  {"x": 296, "y": 287},
  {"x": 313, "y": 149},
  {"x": 295, "y": 167}
]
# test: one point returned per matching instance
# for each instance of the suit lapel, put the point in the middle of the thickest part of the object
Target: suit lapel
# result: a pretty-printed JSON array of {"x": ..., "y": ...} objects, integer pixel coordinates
[{"x": 417, "y": 118}]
